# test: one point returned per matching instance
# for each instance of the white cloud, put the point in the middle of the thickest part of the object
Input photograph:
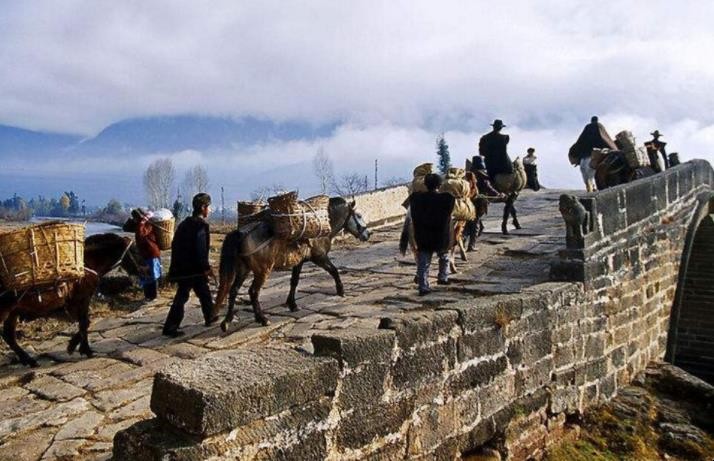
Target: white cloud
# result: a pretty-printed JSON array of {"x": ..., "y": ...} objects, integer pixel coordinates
[{"x": 80, "y": 65}]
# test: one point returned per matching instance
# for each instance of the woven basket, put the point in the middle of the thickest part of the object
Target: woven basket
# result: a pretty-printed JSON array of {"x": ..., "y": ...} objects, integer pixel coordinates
[
  {"x": 459, "y": 188},
  {"x": 164, "y": 231},
  {"x": 41, "y": 255},
  {"x": 625, "y": 140},
  {"x": 297, "y": 220},
  {"x": 249, "y": 212},
  {"x": 464, "y": 210}
]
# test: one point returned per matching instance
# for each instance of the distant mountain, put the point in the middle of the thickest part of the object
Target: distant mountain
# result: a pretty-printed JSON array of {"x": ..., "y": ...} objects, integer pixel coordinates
[
  {"x": 159, "y": 134},
  {"x": 170, "y": 134},
  {"x": 18, "y": 141}
]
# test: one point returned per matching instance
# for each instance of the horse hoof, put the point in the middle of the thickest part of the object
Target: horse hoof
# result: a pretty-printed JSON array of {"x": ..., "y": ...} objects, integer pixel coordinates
[
  {"x": 224, "y": 326},
  {"x": 87, "y": 352},
  {"x": 263, "y": 321},
  {"x": 293, "y": 307},
  {"x": 29, "y": 362}
]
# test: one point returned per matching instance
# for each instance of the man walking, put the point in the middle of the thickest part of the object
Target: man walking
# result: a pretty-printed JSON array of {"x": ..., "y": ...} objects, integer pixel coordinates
[
  {"x": 149, "y": 251},
  {"x": 190, "y": 268},
  {"x": 431, "y": 215}
]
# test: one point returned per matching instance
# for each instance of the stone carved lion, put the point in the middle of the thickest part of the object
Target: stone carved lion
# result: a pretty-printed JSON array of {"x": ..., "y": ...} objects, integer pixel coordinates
[{"x": 575, "y": 215}]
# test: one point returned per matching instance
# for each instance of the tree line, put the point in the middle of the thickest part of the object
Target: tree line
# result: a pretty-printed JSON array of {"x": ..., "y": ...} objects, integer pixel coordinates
[{"x": 16, "y": 208}]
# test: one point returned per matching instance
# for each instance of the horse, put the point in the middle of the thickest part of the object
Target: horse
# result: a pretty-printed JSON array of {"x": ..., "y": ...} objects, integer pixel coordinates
[
  {"x": 511, "y": 184},
  {"x": 614, "y": 170},
  {"x": 252, "y": 249},
  {"x": 102, "y": 254}
]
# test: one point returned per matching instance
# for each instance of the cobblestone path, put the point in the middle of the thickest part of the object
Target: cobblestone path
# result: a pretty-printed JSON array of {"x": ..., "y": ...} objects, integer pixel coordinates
[{"x": 71, "y": 407}]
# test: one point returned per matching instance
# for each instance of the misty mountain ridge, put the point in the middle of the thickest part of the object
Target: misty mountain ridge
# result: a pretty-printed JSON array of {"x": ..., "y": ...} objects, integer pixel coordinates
[{"x": 159, "y": 134}]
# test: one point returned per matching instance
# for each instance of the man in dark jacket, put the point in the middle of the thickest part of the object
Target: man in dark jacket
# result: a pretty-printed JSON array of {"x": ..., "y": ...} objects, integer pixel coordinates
[
  {"x": 431, "y": 214},
  {"x": 190, "y": 268},
  {"x": 656, "y": 147},
  {"x": 594, "y": 135},
  {"x": 492, "y": 147},
  {"x": 485, "y": 189}
]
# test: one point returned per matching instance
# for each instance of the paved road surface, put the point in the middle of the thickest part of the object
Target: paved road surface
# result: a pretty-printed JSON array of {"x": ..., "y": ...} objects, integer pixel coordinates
[{"x": 72, "y": 407}]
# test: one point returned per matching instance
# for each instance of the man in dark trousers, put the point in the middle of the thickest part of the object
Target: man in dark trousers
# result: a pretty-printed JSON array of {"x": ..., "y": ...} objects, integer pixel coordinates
[
  {"x": 190, "y": 268},
  {"x": 431, "y": 214},
  {"x": 485, "y": 189}
]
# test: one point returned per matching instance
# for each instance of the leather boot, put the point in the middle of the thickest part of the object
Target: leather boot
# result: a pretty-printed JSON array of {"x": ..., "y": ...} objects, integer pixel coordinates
[{"x": 516, "y": 224}]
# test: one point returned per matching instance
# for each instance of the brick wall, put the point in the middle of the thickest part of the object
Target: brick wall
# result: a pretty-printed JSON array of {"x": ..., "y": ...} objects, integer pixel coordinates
[{"x": 693, "y": 331}]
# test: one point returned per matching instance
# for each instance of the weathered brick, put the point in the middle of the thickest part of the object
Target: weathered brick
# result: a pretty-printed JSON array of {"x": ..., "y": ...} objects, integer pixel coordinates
[
  {"x": 355, "y": 346},
  {"x": 418, "y": 328},
  {"x": 477, "y": 375},
  {"x": 480, "y": 343},
  {"x": 218, "y": 393},
  {"x": 416, "y": 366}
]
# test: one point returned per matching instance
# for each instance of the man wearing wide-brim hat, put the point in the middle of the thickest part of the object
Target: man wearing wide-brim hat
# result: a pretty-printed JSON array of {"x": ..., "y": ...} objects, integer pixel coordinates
[
  {"x": 655, "y": 148},
  {"x": 492, "y": 146}
]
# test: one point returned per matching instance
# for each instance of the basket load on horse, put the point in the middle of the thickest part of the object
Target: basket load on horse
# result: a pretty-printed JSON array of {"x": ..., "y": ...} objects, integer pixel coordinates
[
  {"x": 463, "y": 191},
  {"x": 621, "y": 165},
  {"x": 283, "y": 236},
  {"x": 41, "y": 256},
  {"x": 593, "y": 136},
  {"x": 50, "y": 268}
]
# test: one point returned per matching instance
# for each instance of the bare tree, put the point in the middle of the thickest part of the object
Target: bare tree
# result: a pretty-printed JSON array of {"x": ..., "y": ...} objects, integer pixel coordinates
[
  {"x": 323, "y": 169},
  {"x": 158, "y": 182},
  {"x": 195, "y": 180},
  {"x": 262, "y": 193},
  {"x": 351, "y": 184}
]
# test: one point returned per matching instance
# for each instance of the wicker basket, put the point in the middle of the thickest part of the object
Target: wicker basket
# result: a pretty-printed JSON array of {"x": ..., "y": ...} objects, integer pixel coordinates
[
  {"x": 41, "y": 255},
  {"x": 464, "y": 210},
  {"x": 249, "y": 212},
  {"x": 297, "y": 220},
  {"x": 164, "y": 231},
  {"x": 459, "y": 188}
]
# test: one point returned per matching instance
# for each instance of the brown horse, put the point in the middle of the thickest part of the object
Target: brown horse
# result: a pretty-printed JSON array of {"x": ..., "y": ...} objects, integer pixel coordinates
[
  {"x": 102, "y": 254},
  {"x": 614, "y": 170},
  {"x": 253, "y": 249}
]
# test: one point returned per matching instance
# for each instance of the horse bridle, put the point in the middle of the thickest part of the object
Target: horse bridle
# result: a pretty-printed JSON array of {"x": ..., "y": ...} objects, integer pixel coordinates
[
  {"x": 360, "y": 228},
  {"x": 118, "y": 262}
]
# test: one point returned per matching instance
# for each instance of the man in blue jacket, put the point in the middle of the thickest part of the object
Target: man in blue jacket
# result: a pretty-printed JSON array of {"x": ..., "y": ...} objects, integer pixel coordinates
[{"x": 190, "y": 267}]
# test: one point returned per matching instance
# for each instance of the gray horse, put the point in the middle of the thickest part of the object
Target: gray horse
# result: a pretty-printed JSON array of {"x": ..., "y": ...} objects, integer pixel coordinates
[{"x": 253, "y": 249}]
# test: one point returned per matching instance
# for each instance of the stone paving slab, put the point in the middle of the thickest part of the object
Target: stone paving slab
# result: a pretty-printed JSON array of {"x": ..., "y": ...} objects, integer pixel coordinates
[{"x": 71, "y": 407}]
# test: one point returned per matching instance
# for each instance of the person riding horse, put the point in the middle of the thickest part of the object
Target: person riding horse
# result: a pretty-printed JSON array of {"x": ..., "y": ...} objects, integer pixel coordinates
[
  {"x": 655, "y": 148},
  {"x": 492, "y": 147},
  {"x": 594, "y": 135}
]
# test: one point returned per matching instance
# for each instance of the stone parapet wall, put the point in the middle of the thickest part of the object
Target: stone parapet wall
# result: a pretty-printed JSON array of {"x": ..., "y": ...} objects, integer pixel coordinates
[
  {"x": 382, "y": 206},
  {"x": 504, "y": 371},
  {"x": 628, "y": 219}
]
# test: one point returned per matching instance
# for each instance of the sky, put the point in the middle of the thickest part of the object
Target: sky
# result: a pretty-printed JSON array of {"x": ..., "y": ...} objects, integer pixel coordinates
[{"x": 390, "y": 75}]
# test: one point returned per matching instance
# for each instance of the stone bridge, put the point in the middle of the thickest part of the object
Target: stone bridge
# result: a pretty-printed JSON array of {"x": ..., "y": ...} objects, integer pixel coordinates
[{"x": 531, "y": 333}]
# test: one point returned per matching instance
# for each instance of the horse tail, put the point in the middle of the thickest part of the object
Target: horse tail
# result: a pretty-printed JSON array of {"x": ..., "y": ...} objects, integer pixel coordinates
[{"x": 227, "y": 267}]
